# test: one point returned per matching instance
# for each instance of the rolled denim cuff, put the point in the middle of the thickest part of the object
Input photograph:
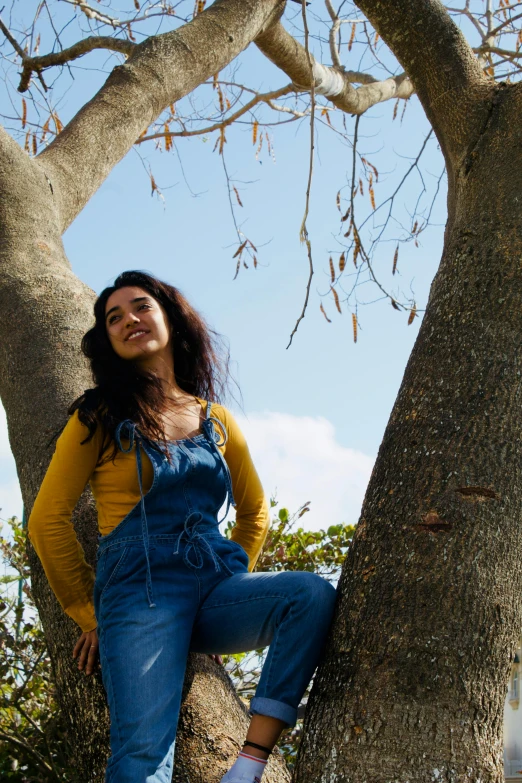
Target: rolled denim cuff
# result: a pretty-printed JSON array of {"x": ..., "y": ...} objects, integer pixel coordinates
[{"x": 274, "y": 709}]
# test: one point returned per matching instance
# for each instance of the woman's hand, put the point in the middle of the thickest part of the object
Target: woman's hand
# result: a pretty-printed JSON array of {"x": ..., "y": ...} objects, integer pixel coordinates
[
  {"x": 217, "y": 659},
  {"x": 86, "y": 650}
]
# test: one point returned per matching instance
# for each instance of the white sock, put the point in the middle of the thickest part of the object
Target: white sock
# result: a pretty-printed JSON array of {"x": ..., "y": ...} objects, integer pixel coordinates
[{"x": 246, "y": 768}]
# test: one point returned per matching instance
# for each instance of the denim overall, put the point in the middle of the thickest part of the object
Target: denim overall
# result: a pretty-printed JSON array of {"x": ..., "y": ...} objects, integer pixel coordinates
[{"x": 168, "y": 582}]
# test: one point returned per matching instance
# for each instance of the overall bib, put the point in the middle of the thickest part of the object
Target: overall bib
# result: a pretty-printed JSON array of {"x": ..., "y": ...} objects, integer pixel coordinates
[{"x": 168, "y": 582}]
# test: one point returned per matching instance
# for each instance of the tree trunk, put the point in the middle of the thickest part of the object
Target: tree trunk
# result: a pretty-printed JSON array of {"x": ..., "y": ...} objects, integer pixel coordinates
[
  {"x": 414, "y": 680},
  {"x": 44, "y": 311}
]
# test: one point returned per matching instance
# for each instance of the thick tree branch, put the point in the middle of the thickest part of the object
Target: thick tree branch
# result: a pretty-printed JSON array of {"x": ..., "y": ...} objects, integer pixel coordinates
[
  {"x": 160, "y": 71},
  {"x": 38, "y": 64},
  {"x": 334, "y": 83},
  {"x": 446, "y": 75}
]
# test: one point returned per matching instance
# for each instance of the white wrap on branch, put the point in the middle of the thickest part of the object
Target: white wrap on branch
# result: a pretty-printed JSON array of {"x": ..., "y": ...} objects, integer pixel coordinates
[
  {"x": 328, "y": 81},
  {"x": 332, "y": 82}
]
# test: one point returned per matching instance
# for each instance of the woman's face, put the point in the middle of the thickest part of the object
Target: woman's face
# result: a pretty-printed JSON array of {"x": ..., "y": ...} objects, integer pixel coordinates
[{"x": 137, "y": 325}]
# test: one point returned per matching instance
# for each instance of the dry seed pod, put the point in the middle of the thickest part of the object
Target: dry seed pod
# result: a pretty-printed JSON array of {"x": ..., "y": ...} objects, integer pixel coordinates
[
  {"x": 371, "y": 192},
  {"x": 324, "y": 313},
  {"x": 336, "y": 299},
  {"x": 168, "y": 138},
  {"x": 240, "y": 249},
  {"x": 352, "y": 38},
  {"x": 237, "y": 196}
]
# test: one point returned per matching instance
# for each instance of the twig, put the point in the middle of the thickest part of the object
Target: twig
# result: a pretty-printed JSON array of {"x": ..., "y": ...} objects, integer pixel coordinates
[
  {"x": 262, "y": 97},
  {"x": 303, "y": 233},
  {"x": 244, "y": 242},
  {"x": 92, "y": 13},
  {"x": 467, "y": 13},
  {"x": 506, "y": 54},
  {"x": 14, "y": 43},
  {"x": 399, "y": 186},
  {"x": 356, "y": 234},
  {"x": 38, "y": 64},
  {"x": 489, "y": 16},
  {"x": 505, "y": 23},
  {"x": 336, "y": 24}
]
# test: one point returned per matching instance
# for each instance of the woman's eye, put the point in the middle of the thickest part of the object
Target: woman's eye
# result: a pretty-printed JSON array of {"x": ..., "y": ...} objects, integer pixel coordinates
[
  {"x": 112, "y": 319},
  {"x": 144, "y": 305}
]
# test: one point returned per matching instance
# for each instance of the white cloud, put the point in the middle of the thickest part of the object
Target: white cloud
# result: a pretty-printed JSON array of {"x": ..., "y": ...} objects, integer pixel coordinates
[{"x": 300, "y": 458}]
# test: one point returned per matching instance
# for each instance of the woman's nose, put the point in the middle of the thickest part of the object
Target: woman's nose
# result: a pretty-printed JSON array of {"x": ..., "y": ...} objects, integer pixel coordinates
[{"x": 132, "y": 320}]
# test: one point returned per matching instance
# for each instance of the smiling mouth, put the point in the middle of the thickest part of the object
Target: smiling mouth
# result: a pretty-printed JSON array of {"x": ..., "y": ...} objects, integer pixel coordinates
[{"x": 135, "y": 335}]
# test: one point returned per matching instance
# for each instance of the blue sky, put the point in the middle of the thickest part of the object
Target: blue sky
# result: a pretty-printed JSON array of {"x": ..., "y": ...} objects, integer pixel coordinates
[{"x": 315, "y": 413}]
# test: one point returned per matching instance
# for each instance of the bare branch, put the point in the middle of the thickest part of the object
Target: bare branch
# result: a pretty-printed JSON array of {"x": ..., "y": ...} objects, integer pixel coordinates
[
  {"x": 504, "y": 24},
  {"x": 303, "y": 233},
  {"x": 160, "y": 71},
  {"x": 333, "y": 83},
  {"x": 37, "y": 64},
  {"x": 489, "y": 16},
  {"x": 93, "y": 13},
  {"x": 266, "y": 97},
  {"x": 472, "y": 18},
  {"x": 18, "y": 49},
  {"x": 334, "y": 30},
  {"x": 12, "y": 40},
  {"x": 506, "y": 54}
]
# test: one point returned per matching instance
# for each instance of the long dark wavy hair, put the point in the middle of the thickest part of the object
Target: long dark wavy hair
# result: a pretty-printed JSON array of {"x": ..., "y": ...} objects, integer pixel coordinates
[{"x": 124, "y": 391}]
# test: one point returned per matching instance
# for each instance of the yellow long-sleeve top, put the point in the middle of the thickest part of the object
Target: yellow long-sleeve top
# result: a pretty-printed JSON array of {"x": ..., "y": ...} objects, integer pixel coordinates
[{"x": 115, "y": 488}]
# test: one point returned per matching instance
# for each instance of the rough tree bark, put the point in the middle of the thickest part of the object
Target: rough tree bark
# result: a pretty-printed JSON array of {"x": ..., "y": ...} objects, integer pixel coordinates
[
  {"x": 45, "y": 309},
  {"x": 413, "y": 684}
]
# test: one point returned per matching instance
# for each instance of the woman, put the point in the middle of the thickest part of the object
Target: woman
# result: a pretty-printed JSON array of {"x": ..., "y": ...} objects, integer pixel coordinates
[{"x": 161, "y": 458}]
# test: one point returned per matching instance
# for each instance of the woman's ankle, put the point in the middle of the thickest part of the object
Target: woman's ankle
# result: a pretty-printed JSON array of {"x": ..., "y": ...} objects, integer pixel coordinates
[{"x": 256, "y": 750}]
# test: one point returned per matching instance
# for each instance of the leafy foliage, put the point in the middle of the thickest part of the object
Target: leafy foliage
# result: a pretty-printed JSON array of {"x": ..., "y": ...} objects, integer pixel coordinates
[{"x": 33, "y": 739}]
